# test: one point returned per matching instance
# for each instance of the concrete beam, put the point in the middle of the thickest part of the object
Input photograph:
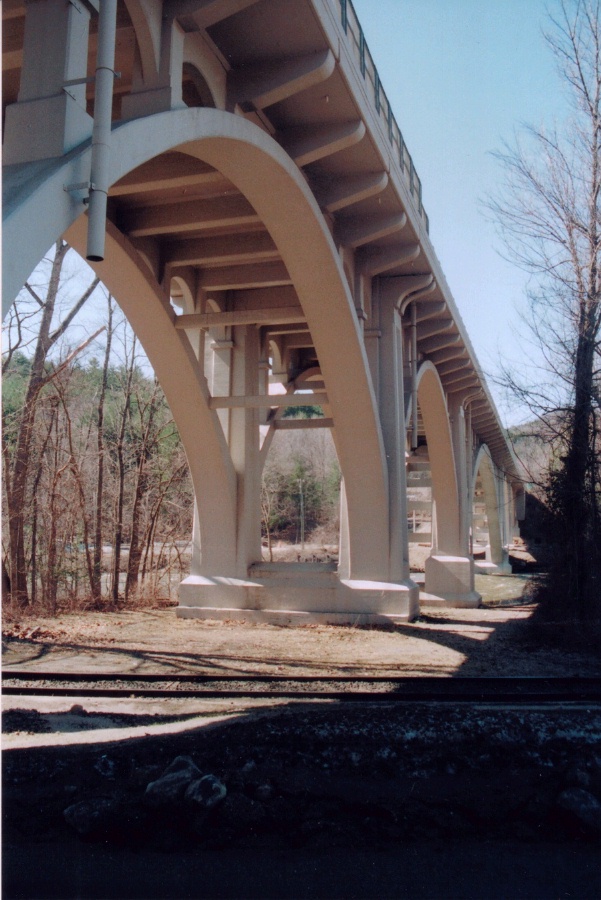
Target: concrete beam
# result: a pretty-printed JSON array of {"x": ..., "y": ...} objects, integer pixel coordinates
[
  {"x": 430, "y": 310},
  {"x": 351, "y": 190},
  {"x": 274, "y": 316},
  {"x": 400, "y": 289},
  {"x": 261, "y": 275},
  {"x": 448, "y": 354},
  {"x": 376, "y": 260},
  {"x": 171, "y": 170},
  {"x": 205, "y": 13},
  {"x": 270, "y": 82},
  {"x": 179, "y": 218},
  {"x": 302, "y": 424},
  {"x": 268, "y": 401},
  {"x": 440, "y": 326},
  {"x": 363, "y": 230},
  {"x": 236, "y": 249},
  {"x": 317, "y": 142},
  {"x": 456, "y": 365},
  {"x": 439, "y": 342}
]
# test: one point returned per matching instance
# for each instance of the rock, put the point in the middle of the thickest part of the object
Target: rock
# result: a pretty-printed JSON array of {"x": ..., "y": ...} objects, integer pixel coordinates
[
  {"x": 582, "y": 805},
  {"x": 173, "y": 783},
  {"x": 183, "y": 764},
  {"x": 264, "y": 792},
  {"x": 90, "y": 816},
  {"x": 105, "y": 766},
  {"x": 78, "y": 710},
  {"x": 576, "y": 776},
  {"x": 206, "y": 792}
]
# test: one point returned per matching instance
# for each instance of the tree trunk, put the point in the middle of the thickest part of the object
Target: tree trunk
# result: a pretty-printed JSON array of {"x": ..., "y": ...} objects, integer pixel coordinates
[
  {"x": 98, "y": 536},
  {"x": 118, "y": 538}
]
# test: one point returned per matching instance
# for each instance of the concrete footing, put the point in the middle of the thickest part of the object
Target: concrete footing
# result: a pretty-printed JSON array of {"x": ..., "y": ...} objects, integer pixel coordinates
[
  {"x": 297, "y": 594},
  {"x": 450, "y": 582}
]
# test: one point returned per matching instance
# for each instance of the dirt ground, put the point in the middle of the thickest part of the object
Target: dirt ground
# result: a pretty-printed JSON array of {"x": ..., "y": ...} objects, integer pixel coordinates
[
  {"x": 493, "y": 640},
  {"x": 322, "y": 800}
]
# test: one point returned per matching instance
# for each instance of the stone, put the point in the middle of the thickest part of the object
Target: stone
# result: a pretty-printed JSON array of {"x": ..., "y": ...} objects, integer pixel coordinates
[
  {"x": 173, "y": 783},
  {"x": 206, "y": 792},
  {"x": 183, "y": 764},
  {"x": 105, "y": 766},
  {"x": 576, "y": 776},
  {"x": 90, "y": 816},
  {"x": 264, "y": 792},
  {"x": 583, "y": 805}
]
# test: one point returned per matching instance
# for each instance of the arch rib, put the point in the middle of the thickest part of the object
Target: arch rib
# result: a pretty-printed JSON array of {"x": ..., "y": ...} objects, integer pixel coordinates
[{"x": 271, "y": 181}]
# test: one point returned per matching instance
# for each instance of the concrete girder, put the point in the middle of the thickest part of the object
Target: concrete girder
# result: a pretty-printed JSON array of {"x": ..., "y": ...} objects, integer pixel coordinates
[
  {"x": 264, "y": 317},
  {"x": 399, "y": 288},
  {"x": 268, "y": 401},
  {"x": 460, "y": 383},
  {"x": 362, "y": 230},
  {"x": 352, "y": 189},
  {"x": 372, "y": 261},
  {"x": 431, "y": 329},
  {"x": 275, "y": 80},
  {"x": 257, "y": 275},
  {"x": 302, "y": 424},
  {"x": 449, "y": 353},
  {"x": 454, "y": 365},
  {"x": 169, "y": 171},
  {"x": 431, "y": 309},
  {"x": 439, "y": 342},
  {"x": 221, "y": 250},
  {"x": 319, "y": 141},
  {"x": 179, "y": 218},
  {"x": 205, "y": 13}
]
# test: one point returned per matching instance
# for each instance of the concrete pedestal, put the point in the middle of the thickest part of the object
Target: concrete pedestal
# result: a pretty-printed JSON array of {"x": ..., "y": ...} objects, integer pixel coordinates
[
  {"x": 450, "y": 582},
  {"x": 297, "y": 594}
]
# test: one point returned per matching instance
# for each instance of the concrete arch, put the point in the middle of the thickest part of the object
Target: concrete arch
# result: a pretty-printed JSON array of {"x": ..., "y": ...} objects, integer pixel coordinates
[
  {"x": 445, "y": 490},
  {"x": 185, "y": 291},
  {"x": 150, "y": 315},
  {"x": 484, "y": 467},
  {"x": 269, "y": 179},
  {"x": 202, "y": 60}
]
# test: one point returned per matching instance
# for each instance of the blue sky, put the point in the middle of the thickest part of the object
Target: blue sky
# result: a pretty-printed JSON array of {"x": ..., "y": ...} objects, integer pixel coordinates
[{"x": 462, "y": 76}]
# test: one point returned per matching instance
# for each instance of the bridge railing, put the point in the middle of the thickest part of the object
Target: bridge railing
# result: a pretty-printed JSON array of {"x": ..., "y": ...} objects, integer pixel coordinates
[{"x": 360, "y": 50}]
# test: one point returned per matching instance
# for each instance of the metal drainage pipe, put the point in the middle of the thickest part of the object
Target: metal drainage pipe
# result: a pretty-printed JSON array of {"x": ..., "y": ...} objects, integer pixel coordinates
[{"x": 101, "y": 135}]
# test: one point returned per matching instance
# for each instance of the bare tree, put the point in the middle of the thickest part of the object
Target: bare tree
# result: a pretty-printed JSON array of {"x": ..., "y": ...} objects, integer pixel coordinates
[
  {"x": 549, "y": 211},
  {"x": 98, "y": 535},
  {"x": 17, "y": 459}
]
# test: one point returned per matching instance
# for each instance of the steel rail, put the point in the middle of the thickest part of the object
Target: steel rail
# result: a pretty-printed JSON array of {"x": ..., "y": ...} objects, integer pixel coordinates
[{"x": 343, "y": 688}]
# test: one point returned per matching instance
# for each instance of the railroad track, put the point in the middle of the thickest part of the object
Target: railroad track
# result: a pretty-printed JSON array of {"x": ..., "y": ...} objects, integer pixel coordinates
[{"x": 346, "y": 688}]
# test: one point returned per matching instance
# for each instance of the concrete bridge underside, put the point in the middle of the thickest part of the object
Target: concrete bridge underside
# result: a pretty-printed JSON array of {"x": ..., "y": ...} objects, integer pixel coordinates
[{"x": 264, "y": 226}]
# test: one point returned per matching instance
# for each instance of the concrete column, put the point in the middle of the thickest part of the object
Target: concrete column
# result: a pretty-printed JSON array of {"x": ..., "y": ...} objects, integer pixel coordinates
[
  {"x": 391, "y": 403},
  {"x": 457, "y": 417},
  {"x": 50, "y": 117},
  {"x": 450, "y": 568},
  {"x": 344, "y": 561},
  {"x": 159, "y": 90},
  {"x": 218, "y": 369},
  {"x": 244, "y": 448}
]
